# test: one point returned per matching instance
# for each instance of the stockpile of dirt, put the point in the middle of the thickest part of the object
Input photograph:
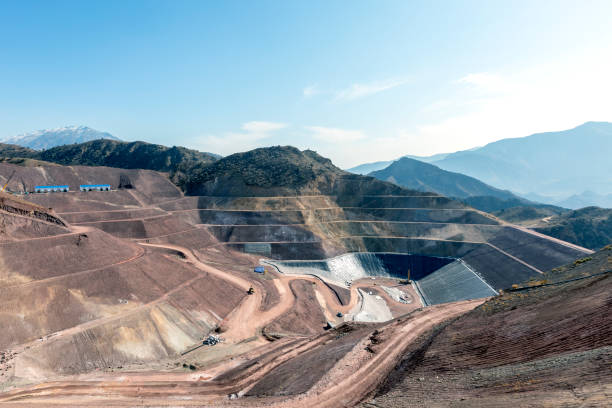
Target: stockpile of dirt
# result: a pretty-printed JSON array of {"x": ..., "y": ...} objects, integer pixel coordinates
[
  {"x": 144, "y": 333},
  {"x": 148, "y": 308},
  {"x": 21, "y": 219},
  {"x": 549, "y": 345},
  {"x": 19, "y": 228},
  {"x": 304, "y": 318},
  {"x": 39, "y": 308},
  {"x": 298, "y": 375},
  {"x": 46, "y": 257}
]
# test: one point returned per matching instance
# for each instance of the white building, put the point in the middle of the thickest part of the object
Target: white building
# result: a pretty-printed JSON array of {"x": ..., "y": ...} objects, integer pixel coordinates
[
  {"x": 49, "y": 189},
  {"x": 95, "y": 187}
]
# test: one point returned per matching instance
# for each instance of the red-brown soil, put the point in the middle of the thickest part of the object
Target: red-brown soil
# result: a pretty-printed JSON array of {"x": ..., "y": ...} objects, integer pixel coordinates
[
  {"x": 305, "y": 317},
  {"x": 360, "y": 365},
  {"x": 105, "y": 306},
  {"x": 549, "y": 346},
  {"x": 20, "y": 219}
]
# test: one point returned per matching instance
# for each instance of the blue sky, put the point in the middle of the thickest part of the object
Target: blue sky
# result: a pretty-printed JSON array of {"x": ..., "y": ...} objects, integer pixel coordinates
[{"x": 355, "y": 80}]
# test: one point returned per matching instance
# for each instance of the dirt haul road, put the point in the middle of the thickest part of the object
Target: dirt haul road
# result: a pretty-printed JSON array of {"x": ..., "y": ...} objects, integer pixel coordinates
[
  {"x": 352, "y": 380},
  {"x": 358, "y": 374},
  {"x": 243, "y": 322},
  {"x": 348, "y": 382},
  {"x": 247, "y": 319}
]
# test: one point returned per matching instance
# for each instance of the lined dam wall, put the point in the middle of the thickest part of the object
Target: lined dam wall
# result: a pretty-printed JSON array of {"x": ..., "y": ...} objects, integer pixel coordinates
[
  {"x": 436, "y": 279},
  {"x": 346, "y": 268}
]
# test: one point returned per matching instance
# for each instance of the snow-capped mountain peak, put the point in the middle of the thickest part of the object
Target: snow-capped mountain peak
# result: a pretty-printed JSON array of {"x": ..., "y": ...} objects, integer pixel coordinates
[{"x": 47, "y": 138}]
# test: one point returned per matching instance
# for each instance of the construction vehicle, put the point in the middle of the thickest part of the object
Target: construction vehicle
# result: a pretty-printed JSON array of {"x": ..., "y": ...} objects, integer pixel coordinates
[
  {"x": 259, "y": 269},
  {"x": 250, "y": 291},
  {"x": 211, "y": 340},
  {"x": 8, "y": 181}
]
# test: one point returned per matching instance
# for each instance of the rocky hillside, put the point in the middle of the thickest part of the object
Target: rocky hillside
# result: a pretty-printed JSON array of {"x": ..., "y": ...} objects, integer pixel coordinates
[
  {"x": 112, "y": 153},
  {"x": 529, "y": 216},
  {"x": 21, "y": 219},
  {"x": 421, "y": 176},
  {"x": 281, "y": 170},
  {"x": 590, "y": 227}
]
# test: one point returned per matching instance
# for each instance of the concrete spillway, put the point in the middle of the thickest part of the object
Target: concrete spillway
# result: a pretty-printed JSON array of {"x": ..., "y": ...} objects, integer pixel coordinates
[
  {"x": 437, "y": 279},
  {"x": 346, "y": 268}
]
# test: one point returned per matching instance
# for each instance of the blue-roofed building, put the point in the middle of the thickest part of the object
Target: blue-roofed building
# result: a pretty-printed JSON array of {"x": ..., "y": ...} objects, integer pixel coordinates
[
  {"x": 50, "y": 189},
  {"x": 95, "y": 187},
  {"x": 260, "y": 269}
]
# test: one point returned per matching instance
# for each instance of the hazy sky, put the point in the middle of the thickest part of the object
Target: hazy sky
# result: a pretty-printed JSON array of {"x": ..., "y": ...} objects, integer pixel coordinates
[{"x": 357, "y": 81}]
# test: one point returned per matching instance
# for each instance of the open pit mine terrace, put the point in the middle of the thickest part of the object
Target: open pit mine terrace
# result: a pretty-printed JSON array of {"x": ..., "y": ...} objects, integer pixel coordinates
[
  {"x": 449, "y": 252},
  {"x": 106, "y": 295}
]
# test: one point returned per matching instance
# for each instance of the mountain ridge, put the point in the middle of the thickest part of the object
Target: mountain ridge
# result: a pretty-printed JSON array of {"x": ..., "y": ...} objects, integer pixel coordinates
[
  {"x": 48, "y": 138},
  {"x": 111, "y": 153},
  {"x": 422, "y": 176},
  {"x": 567, "y": 168},
  {"x": 555, "y": 164},
  {"x": 367, "y": 168}
]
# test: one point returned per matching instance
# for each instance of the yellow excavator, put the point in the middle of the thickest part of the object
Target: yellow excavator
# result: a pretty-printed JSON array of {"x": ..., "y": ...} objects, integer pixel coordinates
[{"x": 8, "y": 181}]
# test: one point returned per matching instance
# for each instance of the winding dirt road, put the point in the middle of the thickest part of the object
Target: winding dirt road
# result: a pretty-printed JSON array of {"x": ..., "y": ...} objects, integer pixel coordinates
[
  {"x": 352, "y": 379},
  {"x": 347, "y": 383}
]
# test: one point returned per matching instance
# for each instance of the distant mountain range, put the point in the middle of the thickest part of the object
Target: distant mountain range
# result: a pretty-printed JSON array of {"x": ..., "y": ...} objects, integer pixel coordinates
[
  {"x": 586, "y": 199},
  {"x": 556, "y": 165},
  {"x": 285, "y": 170},
  {"x": 48, "y": 138},
  {"x": 420, "y": 176},
  {"x": 571, "y": 168},
  {"x": 370, "y": 167}
]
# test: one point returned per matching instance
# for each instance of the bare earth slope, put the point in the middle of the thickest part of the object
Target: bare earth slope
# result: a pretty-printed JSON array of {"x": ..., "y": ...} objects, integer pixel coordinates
[
  {"x": 106, "y": 298},
  {"x": 545, "y": 346},
  {"x": 21, "y": 219}
]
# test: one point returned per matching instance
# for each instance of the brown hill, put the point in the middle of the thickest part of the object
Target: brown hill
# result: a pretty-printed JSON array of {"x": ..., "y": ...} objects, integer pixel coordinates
[
  {"x": 545, "y": 345},
  {"x": 113, "y": 153},
  {"x": 280, "y": 170}
]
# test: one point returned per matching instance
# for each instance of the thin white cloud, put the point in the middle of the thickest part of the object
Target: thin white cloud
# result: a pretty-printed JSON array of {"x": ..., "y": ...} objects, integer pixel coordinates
[
  {"x": 311, "y": 90},
  {"x": 487, "y": 82},
  {"x": 335, "y": 135},
  {"x": 480, "y": 108},
  {"x": 556, "y": 95},
  {"x": 231, "y": 142},
  {"x": 262, "y": 127},
  {"x": 356, "y": 91}
]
